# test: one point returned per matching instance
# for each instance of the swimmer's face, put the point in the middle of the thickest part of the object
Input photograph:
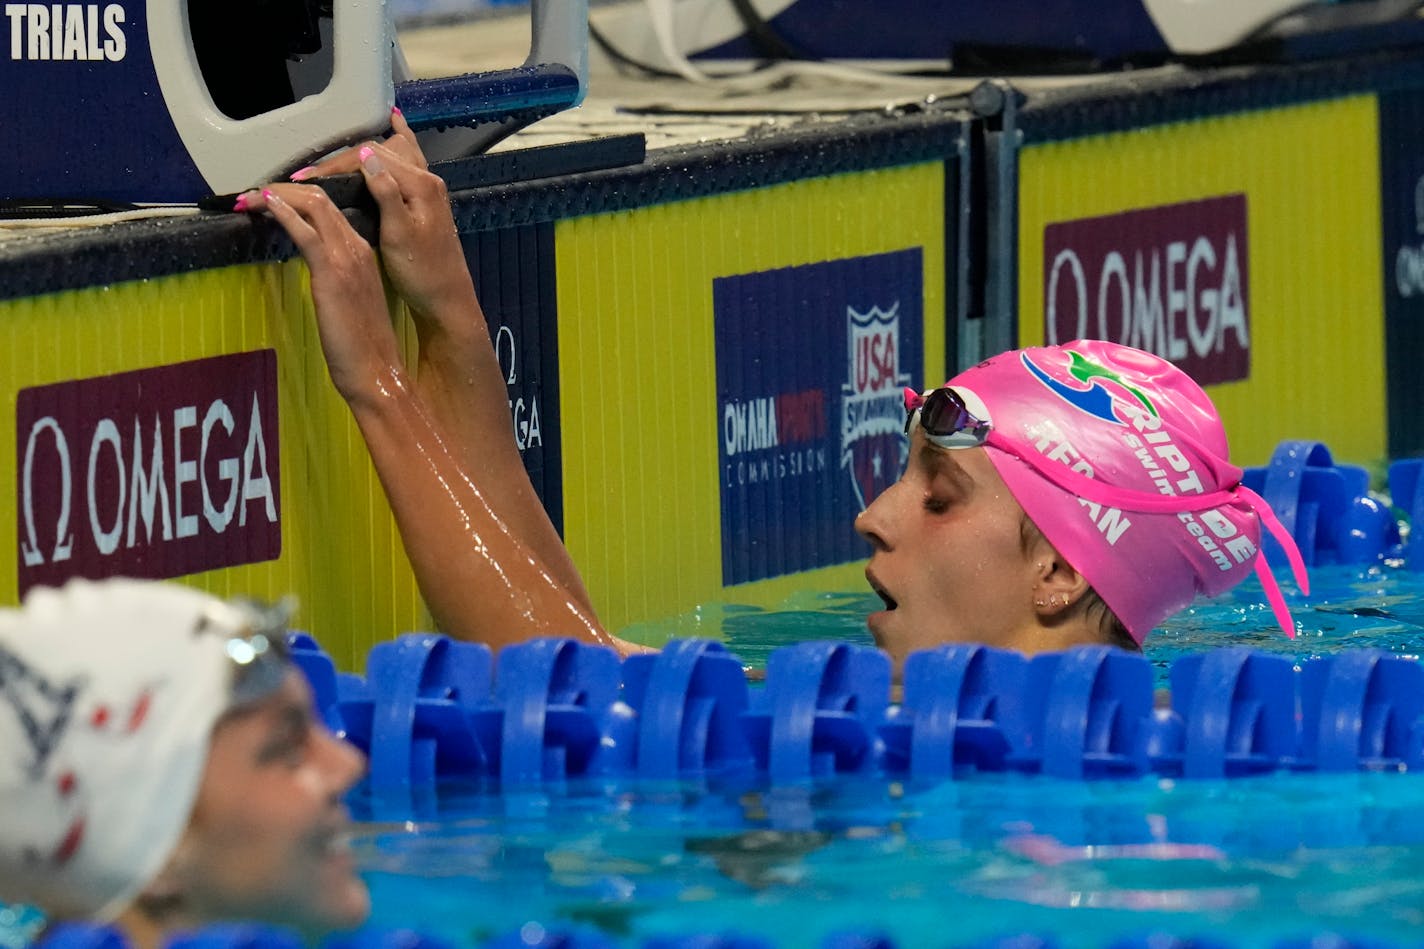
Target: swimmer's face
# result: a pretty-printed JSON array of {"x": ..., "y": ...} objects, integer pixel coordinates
[
  {"x": 947, "y": 555},
  {"x": 268, "y": 839}
]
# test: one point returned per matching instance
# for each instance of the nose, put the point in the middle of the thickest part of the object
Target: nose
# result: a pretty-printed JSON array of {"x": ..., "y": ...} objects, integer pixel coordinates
[
  {"x": 872, "y": 523},
  {"x": 343, "y": 762}
]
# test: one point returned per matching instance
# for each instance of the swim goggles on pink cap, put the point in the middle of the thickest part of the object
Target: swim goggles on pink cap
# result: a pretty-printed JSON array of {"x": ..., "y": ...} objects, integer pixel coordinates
[
  {"x": 946, "y": 420},
  {"x": 948, "y": 423}
]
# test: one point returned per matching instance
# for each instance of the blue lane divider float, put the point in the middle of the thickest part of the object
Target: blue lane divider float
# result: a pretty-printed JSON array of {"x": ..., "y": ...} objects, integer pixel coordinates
[
  {"x": 690, "y": 699},
  {"x": 1404, "y": 490},
  {"x": 820, "y": 711},
  {"x": 949, "y": 718},
  {"x": 534, "y": 936},
  {"x": 553, "y": 710},
  {"x": 1326, "y": 507},
  {"x": 1364, "y": 709},
  {"x": 556, "y": 713},
  {"x": 1086, "y": 710},
  {"x": 420, "y": 728},
  {"x": 1238, "y": 712}
]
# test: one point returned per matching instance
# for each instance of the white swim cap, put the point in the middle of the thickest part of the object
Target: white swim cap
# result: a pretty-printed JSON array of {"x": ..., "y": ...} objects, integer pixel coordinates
[{"x": 108, "y": 695}]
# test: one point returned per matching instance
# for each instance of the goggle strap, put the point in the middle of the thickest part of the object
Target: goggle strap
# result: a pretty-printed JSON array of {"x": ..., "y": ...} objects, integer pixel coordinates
[
  {"x": 1283, "y": 537},
  {"x": 1108, "y": 495},
  {"x": 1274, "y": 596}
]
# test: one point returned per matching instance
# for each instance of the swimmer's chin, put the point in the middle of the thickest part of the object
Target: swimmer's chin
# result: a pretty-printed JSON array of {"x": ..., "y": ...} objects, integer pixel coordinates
[{"x": 876, "y": 623}]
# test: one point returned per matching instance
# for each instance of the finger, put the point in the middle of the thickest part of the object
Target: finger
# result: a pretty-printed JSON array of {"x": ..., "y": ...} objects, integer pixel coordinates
[
  {"x": 297, "y": 227},
  {"x": 317, "y": 209},
  {"x": 342, "y": 163},
  {"x": 419, "y": 187},
  {"x": 249, "y": 201},
  {"x": 308, "y": 216},
  {"x": 384, "y": 186},
  {"x": 258, "y": 200},
  {"x": 403, "y": 139},
  {"x": 394, "y": 156}
]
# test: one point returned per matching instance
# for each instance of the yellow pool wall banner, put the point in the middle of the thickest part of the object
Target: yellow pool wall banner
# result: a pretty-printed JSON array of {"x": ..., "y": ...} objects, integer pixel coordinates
[
  {"x": 337, "y": 552},
  {"x": 185, "y": 426},
  {"x": 637, "y": 345},
  {"x": 1294, "y": 335}
]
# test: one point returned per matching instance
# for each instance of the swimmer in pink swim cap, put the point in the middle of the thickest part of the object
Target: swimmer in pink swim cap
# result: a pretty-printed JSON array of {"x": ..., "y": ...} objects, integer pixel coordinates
[
  {"x": 1060, "y": 496},
  {"x": 1056, "y": 496}
]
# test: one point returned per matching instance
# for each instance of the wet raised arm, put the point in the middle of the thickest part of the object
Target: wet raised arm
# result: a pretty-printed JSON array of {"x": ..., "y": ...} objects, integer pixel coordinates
[
  {"x": 457, "y": 374},
  {"x": 480, "y": 578}
]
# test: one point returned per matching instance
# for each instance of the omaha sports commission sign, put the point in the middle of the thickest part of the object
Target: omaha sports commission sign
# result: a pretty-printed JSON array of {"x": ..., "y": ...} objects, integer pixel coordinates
[{"x": 812, "y": 361}]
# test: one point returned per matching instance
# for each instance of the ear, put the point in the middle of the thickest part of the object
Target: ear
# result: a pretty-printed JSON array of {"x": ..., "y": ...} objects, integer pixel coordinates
[
  {"x": 1057, "y": 586},
  {"x": 162, "y": 898}
]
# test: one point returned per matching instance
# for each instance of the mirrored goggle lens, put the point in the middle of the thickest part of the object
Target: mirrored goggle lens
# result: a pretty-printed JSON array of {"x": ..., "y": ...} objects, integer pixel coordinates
[
  {"x": 944, "y": 414},
  {"x": 945, "y": 418},
  {"x": 260, "y": 657},
  {"x": 260, "y": 667}
]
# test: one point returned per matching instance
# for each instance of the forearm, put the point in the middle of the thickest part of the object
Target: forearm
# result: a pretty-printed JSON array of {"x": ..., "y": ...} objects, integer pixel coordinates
[
  {"x": 482, "y": 582},
  {"x": 459, "y": 378}
]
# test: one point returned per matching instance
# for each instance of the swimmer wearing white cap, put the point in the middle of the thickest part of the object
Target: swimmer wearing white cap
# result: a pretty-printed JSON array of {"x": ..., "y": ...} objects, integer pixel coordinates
[{"x": 161, "y": 767}]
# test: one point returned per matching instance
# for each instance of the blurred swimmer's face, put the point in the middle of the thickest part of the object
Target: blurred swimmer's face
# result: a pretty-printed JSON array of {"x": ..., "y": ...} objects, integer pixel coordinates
[
  {"x": 947, "y": 555},
  {"x": 269, "y": 835}
]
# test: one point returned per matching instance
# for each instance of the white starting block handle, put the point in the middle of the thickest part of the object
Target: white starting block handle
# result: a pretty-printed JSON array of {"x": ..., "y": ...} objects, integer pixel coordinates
[
  {"x": 236, "y": 154},
  {"x": 463, "y": 115}
]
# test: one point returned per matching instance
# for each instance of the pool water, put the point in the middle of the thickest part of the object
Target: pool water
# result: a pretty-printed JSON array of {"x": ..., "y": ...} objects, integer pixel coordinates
[
  {"x": 1253, "y": 860},
  {"x": 1261, "y": 859}
]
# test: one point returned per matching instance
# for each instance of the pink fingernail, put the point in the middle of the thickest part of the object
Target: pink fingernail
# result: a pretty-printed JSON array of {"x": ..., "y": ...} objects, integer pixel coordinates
[
  {"x": 395, "y": 110},
  {"x": 241, "y": 203},
  {"x": 366, "y": 152},
  {"x": 268, "y": 195},
  {"x": 301, "y": 173}
]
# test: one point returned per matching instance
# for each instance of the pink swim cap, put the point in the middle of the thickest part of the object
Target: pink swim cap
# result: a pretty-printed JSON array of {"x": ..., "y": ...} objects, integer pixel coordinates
[{"x": 1120, "y": 459}]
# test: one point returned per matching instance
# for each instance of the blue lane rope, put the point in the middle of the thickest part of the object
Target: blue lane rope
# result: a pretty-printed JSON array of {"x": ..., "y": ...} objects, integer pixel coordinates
[
  {"x": 532, "y": 936},
  {"x": 553, "y": 710}
]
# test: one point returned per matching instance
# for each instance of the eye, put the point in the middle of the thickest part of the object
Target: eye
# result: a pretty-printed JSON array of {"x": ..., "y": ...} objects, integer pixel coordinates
[
  {"x": 288, "y": 741},
  {"x": 936, "y": 503}
]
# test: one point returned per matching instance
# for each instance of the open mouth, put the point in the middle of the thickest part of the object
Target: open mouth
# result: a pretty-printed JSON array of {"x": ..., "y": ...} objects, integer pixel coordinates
[
  {"x": 333, "y": 839},
  {"x": 881, "y": 592}
]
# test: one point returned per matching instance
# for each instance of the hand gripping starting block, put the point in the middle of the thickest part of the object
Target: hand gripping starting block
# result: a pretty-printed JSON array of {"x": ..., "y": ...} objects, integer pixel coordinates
[{"x": 169, "y": 101}]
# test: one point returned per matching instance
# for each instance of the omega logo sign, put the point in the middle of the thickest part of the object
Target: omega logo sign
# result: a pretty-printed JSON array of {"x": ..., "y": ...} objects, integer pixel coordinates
[
  {"x": 155, "y": 473},
  {"x": 1173, "y": 280}
]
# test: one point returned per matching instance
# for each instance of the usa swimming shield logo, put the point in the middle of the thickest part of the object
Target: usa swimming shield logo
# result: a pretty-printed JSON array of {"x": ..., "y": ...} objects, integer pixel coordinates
[
  {"x": 810, "y": 424},
  {"x": 873, "y": 442}
]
